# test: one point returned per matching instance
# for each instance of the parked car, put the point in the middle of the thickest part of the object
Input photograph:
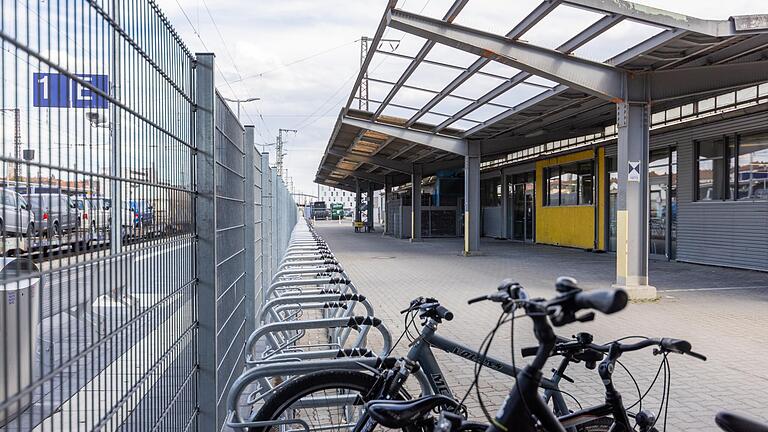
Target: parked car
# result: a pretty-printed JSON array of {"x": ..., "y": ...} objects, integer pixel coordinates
[
  {"x": 15, "y": 214},
  {"x": 94, "y": 213},
  {"x": 56, "y": 213},
  {"x": 130, "y": 223},
  {"x": 144, "y": 209}
]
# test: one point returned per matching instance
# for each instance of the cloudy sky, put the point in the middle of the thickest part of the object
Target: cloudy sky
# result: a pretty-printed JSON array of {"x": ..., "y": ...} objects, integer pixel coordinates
[{"x": 301, "y": 56}]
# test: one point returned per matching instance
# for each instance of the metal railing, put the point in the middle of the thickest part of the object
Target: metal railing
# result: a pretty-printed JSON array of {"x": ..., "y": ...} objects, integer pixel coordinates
[{"x": 139, "y": 226}]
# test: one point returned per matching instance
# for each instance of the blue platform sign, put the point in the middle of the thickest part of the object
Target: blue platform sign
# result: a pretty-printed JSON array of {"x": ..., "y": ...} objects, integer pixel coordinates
[{"x": 50, "y": 90}]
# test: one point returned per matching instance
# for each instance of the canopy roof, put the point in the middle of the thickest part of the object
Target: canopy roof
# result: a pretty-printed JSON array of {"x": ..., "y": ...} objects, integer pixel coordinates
[{"x": 454, "y": 83}]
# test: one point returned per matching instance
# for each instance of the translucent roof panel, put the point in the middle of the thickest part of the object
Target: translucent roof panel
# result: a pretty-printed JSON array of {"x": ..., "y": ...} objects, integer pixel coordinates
[
  {"x": 495, "y": 16},
  {"x": 560, "y": 25},
  {"x": 431, "y": 8},
  {"x": 412, "y": 97},
  {"x": 484, "y": 112},
  {"x": 451, "y": 105},
  {"x": 387, "y": 67},
  {"x": 517, "y": 95},
  {"x": 463, "y": 125},
  {"x": 616, "y": 40},
  {"x": 501, "y": 69},
  {"x": 432, "y": 77},
  {"x": 477, "y": 85},
  {"x": 539, "y": 81},
  {"x": 378, "y": 91},
  {"x": 432, "y": 118},
  {"x": 398, "y": 112},
  {"x": 445, "y": 54}
]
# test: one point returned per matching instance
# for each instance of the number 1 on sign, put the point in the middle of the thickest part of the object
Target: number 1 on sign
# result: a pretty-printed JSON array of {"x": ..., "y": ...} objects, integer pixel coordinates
[{"x": 44, "y": 82}]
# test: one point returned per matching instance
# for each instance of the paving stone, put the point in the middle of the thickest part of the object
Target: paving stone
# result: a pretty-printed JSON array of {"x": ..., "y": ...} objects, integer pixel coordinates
[{"x": 728, "y": 325}]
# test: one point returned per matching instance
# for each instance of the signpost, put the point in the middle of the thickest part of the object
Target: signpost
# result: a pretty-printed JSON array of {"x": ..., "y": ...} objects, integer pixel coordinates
[{"x": 51, "y": 90}]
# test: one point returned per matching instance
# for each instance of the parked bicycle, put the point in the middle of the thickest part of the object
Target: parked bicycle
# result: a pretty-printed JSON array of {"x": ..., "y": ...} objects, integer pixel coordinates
[
  {"x": 524, "y": 409},
  {"x": 340, "y": 387}
]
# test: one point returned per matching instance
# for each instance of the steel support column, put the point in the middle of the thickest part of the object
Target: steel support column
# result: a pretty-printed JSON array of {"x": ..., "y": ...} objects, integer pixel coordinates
[
  {"x": 358, "y": 200},
  {"x": 387, "y": 193},
  {"x": 416, "y": 177},
  {"x": 205, "y": 229},
  {"x": 633, "y": 122},
  {"x": 472, "y": 200},
  {"x": 370, "y": 207},
  {"x": 250, "y": 232}
]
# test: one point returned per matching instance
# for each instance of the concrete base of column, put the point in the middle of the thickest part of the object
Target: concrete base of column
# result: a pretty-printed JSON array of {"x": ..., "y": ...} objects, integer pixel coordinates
[
  {"x": 638, "y": 292},
  {"x": 470, "y": 253}
]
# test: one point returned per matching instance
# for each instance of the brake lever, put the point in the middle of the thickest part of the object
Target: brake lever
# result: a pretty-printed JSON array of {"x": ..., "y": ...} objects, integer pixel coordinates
[
  {"x": 589, "y": 316},
  {"x": 696, "y": 355}
]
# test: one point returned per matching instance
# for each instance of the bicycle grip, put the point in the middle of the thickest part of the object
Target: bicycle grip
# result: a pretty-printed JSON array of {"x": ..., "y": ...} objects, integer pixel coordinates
[
  {"x": 605, "y": 301},
  {"x": 444, "y": 313}
]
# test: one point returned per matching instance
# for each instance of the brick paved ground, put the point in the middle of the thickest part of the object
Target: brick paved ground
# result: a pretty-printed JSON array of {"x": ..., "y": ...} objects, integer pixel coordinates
[{"x": 728, "y": 324}]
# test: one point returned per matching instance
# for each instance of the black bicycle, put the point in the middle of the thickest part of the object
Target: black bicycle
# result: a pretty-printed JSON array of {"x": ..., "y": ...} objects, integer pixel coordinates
[
  {"x": 345, "y": 391},
  {"x": 524, "y": 409}
]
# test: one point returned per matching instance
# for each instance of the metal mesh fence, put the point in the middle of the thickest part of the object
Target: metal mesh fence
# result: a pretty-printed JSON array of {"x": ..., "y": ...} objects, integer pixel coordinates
[{"x": 138, "y": 224}]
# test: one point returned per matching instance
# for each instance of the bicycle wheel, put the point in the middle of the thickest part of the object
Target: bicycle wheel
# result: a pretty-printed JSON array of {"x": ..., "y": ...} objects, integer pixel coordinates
[
  {"x": 325, "y": 400},
  {"x": 602, "y": 424}
]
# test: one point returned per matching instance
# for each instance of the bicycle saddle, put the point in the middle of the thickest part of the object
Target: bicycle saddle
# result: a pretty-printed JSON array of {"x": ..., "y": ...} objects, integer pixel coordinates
[
  {"x": 731, "y": 422},
  {"x": 398, "y": 414}
]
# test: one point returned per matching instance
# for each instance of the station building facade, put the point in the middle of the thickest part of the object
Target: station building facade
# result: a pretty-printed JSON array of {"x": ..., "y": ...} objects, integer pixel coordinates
[{"x": 707, "y": 197}]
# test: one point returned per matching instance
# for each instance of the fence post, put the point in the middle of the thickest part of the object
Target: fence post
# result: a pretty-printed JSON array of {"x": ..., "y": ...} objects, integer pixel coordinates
[
  {"x": 250, "y": 238},
  {"x": 205, "y": 229},
  {"x": 266, "y": 225}
]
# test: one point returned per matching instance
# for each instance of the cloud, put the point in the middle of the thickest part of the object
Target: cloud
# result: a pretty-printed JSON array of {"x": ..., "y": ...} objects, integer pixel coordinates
[{"x": 272, "y": 38}]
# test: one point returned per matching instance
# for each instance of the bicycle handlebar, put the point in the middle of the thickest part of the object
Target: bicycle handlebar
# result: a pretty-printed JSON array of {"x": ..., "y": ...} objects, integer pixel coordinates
[
  {"x": 677, "y": 346},
  {"x": 605, "y": 301},
  {"x": 430, "y": 308}
]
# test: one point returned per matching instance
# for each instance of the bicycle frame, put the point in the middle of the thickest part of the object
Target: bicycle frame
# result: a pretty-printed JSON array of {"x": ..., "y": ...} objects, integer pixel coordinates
[{"x": 421, "y": 352}]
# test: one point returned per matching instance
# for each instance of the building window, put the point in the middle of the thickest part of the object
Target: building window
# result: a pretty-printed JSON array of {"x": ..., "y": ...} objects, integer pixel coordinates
[
  {"x": 490, "y": 192},
  {"x": 753, "y": 167},
  {"x": 571, "y": 184},
  {"x": 716, "y": 169},
  {"x": 552, "y": 195}
]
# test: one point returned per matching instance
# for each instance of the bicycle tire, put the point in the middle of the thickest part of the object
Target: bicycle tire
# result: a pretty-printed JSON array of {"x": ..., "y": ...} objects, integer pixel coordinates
[
  {"x": 601, "y": 424},
  {"x": 286, "y": 395}
]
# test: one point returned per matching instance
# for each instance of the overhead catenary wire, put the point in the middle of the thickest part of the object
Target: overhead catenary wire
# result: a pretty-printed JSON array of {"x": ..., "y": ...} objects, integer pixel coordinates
[
  {"x": 218, "y": 68},
  {"x": 297, "y": 61}
]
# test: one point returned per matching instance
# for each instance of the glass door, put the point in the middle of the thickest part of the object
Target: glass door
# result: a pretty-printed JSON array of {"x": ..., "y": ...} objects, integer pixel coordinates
[
  {"x": 522, "y": 215},
  {"x": 530, "y": 205}
]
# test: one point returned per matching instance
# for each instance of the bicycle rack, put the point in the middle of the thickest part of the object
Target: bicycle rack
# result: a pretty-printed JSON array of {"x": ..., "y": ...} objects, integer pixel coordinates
[{"x": 309, "y": 292}]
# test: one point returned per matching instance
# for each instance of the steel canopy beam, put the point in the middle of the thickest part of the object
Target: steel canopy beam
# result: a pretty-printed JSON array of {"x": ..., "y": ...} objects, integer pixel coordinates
[
  {"x": 590, "y": 77},
  {"x": 367, "y": 61},
  {"x": 647, "y": 45},
  {"x": 451, "y": 15},
  {"x": 569, "y": 46},
  {"x": 440, "y": 142},
  {"x": 660, "y": 17},
  {"x": 529, "y": 21},
  {"x": 374, "y": 160}
]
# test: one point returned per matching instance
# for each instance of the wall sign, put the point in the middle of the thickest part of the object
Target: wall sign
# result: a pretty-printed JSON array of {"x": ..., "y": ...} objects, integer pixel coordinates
[
  {"x": 50, "y": 90},
  {"x": 633, "y": 174}
]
